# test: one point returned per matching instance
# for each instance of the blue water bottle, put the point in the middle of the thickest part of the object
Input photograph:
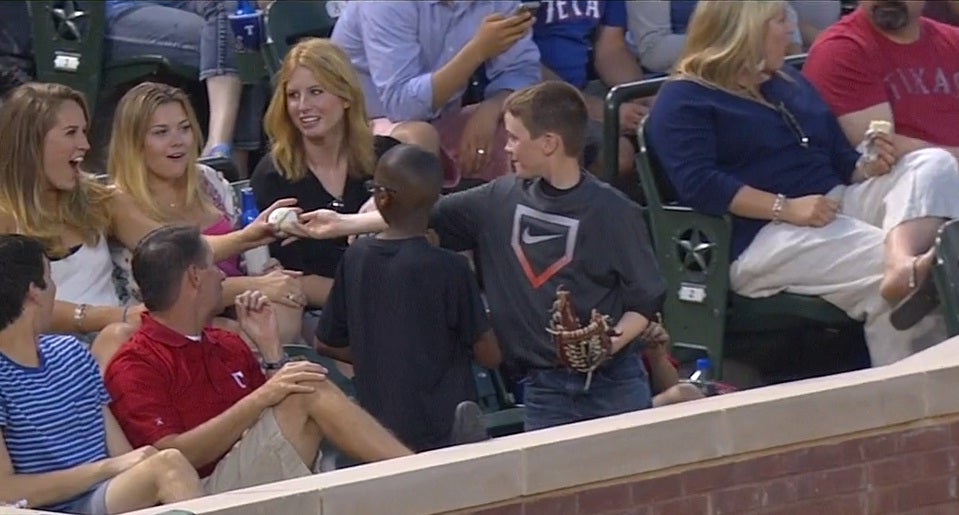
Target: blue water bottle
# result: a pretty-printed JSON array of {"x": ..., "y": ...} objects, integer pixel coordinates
[
  {"x": 701, "y": 377},
  {"x": 256, "y": 258},
  {"x": 249, "y": 211}
]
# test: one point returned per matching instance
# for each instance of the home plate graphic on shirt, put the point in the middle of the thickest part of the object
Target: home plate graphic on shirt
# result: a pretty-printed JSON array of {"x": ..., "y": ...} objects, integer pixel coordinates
[{"x": 544, "y": 243}]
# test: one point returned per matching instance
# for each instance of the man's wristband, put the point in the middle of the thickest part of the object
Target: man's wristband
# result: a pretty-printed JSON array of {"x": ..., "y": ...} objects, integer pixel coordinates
[{"x": 273, "y": 367}]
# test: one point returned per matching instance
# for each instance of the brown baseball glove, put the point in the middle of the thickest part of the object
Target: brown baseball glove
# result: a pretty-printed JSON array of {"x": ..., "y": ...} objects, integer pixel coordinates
[{"x": 580, "y": 348}]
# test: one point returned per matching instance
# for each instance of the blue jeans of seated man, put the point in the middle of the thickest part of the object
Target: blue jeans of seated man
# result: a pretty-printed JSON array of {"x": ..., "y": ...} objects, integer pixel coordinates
[
  {"x": 193, "y": 33},
  {"x": 554, "y": 397}
]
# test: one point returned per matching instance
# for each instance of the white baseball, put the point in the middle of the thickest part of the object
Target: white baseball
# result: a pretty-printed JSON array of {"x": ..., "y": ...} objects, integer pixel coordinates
[{"x": 282, "y": 217}]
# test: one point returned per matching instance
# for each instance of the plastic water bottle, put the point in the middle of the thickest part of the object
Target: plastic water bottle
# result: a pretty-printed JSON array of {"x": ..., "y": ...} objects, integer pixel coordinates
[
  {"x": 701, "y": 377},
  {"x": 255, "y": 258}
]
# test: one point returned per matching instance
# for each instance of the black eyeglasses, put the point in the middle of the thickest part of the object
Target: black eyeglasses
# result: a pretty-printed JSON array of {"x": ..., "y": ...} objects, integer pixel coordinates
[
  {"x": 373, "y": 187},
  {"x": 793, "y": 124}
]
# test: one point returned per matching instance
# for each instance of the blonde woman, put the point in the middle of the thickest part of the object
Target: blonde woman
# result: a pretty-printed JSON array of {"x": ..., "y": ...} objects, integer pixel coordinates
[
  {"x": 45, "y": 194},
  {"x": 153, "y": 160},
  {"x": 322, "y": 151},
  {"x": 739, "y": 134}
]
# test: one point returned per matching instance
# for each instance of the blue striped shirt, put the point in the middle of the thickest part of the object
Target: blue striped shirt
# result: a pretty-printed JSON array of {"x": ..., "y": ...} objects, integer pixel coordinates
[{"x": 52, "y": 415}]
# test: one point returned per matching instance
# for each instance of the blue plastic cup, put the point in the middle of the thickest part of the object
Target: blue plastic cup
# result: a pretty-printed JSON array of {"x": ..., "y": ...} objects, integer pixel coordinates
[{"x": 248, "y": 30}]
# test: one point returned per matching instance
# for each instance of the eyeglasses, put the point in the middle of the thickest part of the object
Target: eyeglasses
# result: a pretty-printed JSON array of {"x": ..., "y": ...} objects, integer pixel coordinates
[
  {"x": 336, "y": 205},
  {"x": 373, "y": 187},
  {"x": 793, "y": 124}
]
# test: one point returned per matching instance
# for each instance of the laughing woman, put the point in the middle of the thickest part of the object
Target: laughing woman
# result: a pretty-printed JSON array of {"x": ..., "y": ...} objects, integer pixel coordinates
[
  {"x": 45, "y": 194},
  {"x": 153, "y": 160}
]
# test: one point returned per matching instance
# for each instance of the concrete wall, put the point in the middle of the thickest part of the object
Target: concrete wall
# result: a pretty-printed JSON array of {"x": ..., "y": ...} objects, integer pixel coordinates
[{"x": 880, "y": 441}]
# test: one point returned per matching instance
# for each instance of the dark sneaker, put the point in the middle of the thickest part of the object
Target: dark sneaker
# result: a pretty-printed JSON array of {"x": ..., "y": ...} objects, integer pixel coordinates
[{"x": 468, "y": 424}]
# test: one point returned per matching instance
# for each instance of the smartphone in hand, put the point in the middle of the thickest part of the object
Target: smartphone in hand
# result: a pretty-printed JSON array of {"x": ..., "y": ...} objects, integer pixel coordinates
[{"x": 527, "y": 8}]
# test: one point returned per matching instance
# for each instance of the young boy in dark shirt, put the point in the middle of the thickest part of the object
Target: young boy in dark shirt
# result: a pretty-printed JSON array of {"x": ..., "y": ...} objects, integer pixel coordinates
[
  {"x": 409, "y": 315},
  {"x": 550, "y": 224}
]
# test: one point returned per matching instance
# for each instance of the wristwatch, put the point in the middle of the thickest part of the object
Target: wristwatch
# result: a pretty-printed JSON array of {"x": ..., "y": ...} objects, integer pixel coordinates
[{"x": 273, "y": 367}]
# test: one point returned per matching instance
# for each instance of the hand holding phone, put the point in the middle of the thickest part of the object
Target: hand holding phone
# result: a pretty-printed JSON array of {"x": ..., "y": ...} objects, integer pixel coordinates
[
  {"x": 527, "y": 8},
  {"x": 498, "y": 34}
]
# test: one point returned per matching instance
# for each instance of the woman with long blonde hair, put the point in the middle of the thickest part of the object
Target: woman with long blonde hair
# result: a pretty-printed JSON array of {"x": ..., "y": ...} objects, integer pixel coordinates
[
  {"x": 740, "y": 134},
  {"x": 153, "y": 159},
  {"x": 45, "y": 194},
  {"x": 322, "y": 150}
]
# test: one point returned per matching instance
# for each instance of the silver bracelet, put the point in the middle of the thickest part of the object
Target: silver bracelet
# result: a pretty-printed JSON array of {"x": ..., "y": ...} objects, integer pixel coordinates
[{"x": 778, "y": 206}]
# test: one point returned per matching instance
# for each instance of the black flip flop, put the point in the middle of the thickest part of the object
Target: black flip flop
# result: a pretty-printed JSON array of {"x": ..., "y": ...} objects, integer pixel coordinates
[{"x": 919, "y": 303}]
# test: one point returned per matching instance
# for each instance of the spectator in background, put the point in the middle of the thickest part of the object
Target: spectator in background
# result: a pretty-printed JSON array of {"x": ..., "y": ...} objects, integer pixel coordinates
[
  {"x": 60, "y": 446},
  {"x": 415, "y": 60},
  {"x": 153, "y": 159},
  {"x": 409, "y": 315},
  {"x": 194, "y": 33},
  {"x": 738, "y": 134},
  {"x": 181, "y": 384},
  {"x": 45, "y": 194},
  {"x": 322, "y": 151},
  {"x": 658, "y": 28},
  {"x": 813, "y": 16},
  {"x": 945, "y": 11},
  {"x": 16, "y": 63},
  {"x": 915, "y": 85},
  {"x": 564, "y": 32}
]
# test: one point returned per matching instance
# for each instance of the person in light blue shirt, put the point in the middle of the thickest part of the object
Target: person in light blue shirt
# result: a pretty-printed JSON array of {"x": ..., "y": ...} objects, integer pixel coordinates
[
  {"x": 61, "y": 449},
  {"x": 416, "y": 59}
]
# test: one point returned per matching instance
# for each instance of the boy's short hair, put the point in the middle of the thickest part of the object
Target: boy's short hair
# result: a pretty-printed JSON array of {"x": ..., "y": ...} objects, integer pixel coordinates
[
  {"x": 22, "y": 259},
  {"x": 552, "y": 106}
]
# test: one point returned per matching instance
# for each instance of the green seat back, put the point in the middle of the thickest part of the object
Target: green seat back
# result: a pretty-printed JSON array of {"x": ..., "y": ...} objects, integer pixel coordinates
[{"x": 288, "y": 22}]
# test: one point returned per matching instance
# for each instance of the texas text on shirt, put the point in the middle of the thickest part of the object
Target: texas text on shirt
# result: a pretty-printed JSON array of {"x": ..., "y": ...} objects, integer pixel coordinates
[
  {"x": 564, "y": 31},
  {"x": 855, "y": 67}
]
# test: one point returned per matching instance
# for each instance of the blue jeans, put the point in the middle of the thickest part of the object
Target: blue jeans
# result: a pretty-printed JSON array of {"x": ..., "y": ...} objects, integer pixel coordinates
[
  {"x": 555, "y": 397},
  {"x": 193, "y": 33}
]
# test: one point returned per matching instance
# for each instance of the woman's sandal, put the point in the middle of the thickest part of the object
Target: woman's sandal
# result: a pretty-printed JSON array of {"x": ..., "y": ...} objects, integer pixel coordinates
[{"x": 921, "y": 301}]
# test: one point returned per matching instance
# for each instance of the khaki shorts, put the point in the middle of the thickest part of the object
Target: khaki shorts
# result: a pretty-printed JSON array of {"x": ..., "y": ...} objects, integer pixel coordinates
[{"x": 262, "y": 456}]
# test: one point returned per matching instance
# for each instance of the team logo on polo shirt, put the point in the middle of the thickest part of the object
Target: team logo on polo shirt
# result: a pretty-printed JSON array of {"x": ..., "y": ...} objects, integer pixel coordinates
[
  {"x": 544, "y": 243},
  {"x": 239, "y": 379}
]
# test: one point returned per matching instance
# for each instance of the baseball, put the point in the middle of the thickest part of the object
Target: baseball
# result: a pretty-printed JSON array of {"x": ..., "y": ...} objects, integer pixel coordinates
[{"x": 282, "y": 217}]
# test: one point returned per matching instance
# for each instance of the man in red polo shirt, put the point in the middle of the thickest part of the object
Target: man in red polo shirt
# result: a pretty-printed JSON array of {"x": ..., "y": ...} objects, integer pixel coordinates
[{"x": 181, "y": 384}]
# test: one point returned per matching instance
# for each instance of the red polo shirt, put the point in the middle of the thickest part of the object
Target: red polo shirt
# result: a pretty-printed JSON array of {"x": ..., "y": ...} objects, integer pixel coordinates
[{"x": 163, "y": 383}]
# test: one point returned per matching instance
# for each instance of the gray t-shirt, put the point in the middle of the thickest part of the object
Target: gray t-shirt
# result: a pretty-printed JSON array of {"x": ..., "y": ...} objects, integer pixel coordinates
[{"x": 529, "y": 238}]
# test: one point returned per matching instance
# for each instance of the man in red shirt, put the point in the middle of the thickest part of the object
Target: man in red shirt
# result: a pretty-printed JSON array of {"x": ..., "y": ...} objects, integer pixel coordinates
[
  {"x": 885, "y": 61},
  {"x": 181, "y": 384}
]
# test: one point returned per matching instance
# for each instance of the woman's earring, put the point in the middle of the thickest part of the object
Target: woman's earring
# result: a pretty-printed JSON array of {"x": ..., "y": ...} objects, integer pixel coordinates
[{"x": 761, "y": 67}]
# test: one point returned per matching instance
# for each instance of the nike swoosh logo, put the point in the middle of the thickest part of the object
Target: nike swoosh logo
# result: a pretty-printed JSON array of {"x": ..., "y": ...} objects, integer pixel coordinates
[{"x": 529, "y": 239}]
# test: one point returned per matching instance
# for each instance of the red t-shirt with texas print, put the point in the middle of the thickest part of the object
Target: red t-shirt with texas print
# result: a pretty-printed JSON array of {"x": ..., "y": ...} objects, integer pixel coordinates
[{"x": 854, "y": 66}]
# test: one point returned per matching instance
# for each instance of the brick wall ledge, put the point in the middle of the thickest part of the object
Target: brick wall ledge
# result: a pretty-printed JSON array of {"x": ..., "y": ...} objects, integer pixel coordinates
[{"x": 820, "y": 432}]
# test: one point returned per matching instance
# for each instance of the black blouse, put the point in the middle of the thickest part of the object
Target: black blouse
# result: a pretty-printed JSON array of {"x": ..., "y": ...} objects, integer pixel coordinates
[{"x": 312, "y": 257}]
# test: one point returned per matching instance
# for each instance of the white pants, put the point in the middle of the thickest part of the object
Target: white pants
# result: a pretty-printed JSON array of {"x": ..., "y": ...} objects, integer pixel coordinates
[{"x": 843, "y": 261}]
